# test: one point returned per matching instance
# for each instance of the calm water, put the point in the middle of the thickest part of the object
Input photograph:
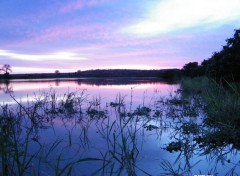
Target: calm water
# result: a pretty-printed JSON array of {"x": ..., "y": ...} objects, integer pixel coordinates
[{"x": 123, "y": 124}]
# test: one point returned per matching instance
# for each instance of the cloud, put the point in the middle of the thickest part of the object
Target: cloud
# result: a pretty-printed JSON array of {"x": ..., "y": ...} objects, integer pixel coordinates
[
  {"x": 138, "y": 53},
  {"x": 174, "y": 15},
  {"x": 66, "y": 34},
  {"x": 80, "y": 4},
  {"x": 84, "y": 31},
  {"x": 42, "y": 57},
  {"x": 133, "y": 66},
  {"x": 32, "y": 69}
]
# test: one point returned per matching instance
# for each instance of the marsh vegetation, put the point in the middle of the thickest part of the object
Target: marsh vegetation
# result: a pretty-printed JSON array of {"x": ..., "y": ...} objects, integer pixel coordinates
[{"x": 191, "y": 129}]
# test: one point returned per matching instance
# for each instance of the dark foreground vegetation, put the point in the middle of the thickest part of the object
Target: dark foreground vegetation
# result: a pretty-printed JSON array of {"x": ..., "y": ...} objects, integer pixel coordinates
[{"x": 220, "y": 104}]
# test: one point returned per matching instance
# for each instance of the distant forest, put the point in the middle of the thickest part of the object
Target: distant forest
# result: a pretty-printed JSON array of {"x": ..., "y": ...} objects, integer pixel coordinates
[
  {"x": 165, "y": 73},
  {"x": 223, "y": 65}
]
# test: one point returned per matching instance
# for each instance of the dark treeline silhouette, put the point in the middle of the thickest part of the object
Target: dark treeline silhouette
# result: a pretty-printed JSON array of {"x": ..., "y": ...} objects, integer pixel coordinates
[
  {"x": 223, "y": 65},
  {"x": 112, "y": 73}
]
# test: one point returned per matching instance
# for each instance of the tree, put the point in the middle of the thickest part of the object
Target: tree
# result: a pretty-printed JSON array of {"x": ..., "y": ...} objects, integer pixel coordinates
[
  {"x": 57, "y": 71},
  {"x": 170, "y": 74},
  {"x": 6, "y": 68},
  {"x": 191, "y": 69},
  {"x": 225, "y": 64}
]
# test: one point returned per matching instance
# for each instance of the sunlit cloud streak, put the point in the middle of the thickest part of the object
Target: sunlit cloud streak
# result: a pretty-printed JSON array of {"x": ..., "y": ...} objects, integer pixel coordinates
[
  {"x": 140, "y": 53},
  {"x": 44, "y": 57},
  {"x": 34, "y": 69},
  {"x": 175, "y": 15},
  {"x": 132, "y": 66}
]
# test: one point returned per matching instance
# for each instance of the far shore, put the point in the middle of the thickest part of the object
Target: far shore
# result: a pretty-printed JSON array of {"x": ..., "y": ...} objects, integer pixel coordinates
[{"x": 116, "y": 73}]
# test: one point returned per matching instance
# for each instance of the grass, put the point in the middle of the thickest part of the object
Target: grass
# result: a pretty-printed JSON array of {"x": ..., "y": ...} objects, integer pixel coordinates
[
  {"x": 221, "y": 106},
  {"x": 21, "y": 152},
  {"x": 221, "y": 101},
  {"x": 218, "y": 134}
]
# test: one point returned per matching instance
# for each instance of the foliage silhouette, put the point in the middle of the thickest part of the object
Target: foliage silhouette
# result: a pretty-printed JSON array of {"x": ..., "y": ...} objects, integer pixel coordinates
[
  {"x": 6, "y": 68},
  {"x": 223, "y": 65}
]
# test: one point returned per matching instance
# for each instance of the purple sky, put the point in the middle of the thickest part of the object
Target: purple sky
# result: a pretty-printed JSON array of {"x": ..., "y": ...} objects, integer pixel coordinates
[{"x": 71, "y": 35}]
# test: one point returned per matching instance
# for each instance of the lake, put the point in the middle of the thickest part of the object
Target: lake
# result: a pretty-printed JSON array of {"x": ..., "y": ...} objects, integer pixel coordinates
[{"x": 106, "y": 127}]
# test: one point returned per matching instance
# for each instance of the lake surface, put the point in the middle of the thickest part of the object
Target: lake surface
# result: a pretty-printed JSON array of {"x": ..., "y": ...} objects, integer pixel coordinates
[
  {"x": 111, "y": 127},
  {"x": 108, "y": 89}
]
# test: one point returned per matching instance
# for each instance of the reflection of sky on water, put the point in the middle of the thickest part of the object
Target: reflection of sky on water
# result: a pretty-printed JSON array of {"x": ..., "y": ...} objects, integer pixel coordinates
[
  {"x": 141, "y": 93},
  {"x": 87, "y": 141},
  {"x": 28, "y": 90}
]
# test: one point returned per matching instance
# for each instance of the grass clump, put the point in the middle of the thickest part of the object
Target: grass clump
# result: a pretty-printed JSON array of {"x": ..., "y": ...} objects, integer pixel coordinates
[
  {"x": 221, "y": 100},
  {"x": 194, "y": 85},
  {"x": 221, "y": 109}
]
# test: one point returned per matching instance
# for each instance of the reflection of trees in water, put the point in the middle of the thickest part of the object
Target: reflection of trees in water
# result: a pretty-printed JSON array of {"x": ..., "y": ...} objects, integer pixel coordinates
[
  {"x": 57, "y": 82},
  {"x": 96, "y": 81},
  {"x": 5, "y": 87},
  {"x": 117, "y": 81}
]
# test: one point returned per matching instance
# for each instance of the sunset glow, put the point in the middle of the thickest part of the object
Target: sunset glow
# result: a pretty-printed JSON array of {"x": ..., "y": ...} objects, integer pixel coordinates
[
  {"x": 71, "y": 35},
  {"x": 174, "y": 15}
]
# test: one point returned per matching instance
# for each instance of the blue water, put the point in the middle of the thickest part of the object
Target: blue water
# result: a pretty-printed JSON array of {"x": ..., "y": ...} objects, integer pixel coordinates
[{"x": 83, "y": 137}]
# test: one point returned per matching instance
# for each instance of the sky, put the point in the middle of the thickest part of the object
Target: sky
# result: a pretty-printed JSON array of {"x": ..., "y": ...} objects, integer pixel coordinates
[{"x": 71, "y": 35}]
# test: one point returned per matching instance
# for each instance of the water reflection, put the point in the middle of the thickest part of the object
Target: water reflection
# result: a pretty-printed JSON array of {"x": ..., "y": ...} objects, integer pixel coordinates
[
  {"x": 45, "y": 83},
  {"x": 5, "y": 86},
  {"x": 127, "y": 129},
  {"x": 26, "y": 90}
]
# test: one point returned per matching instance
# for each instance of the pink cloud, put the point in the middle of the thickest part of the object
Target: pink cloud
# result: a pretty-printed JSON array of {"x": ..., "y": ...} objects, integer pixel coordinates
[
  {"x": 138, "y": 53},
  {"x": 72, "y": 6},
  {"x": 122, "y": 41},
  {"x": 90, "y": 32},
  {"x": 80, "y": 4}
]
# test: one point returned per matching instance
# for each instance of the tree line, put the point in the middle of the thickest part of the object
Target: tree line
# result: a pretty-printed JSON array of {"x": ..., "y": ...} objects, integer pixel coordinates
[{"x": 222, "y": 65}]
